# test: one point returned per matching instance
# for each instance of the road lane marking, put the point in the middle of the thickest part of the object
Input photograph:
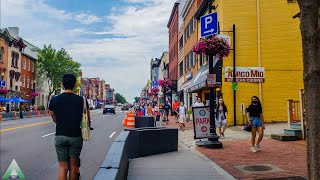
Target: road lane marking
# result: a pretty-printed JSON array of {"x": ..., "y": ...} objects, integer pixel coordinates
[
  {"x": 8, "y": 123},
  {"x": 112, "y": 134},
  {"x": 48, "y": 134},
  {"x": 21, "y": 127}
]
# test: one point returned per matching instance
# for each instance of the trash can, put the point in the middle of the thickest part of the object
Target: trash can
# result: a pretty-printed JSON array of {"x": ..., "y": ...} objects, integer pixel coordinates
[{"x": 144, "y": 121}]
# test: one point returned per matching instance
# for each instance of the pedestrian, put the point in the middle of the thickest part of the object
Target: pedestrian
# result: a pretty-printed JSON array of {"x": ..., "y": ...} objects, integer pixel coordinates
[
  {"x": 182, "y": 113},
  {"x": 166, "y": 109},
  {"x": 198, "y": 103},
  {"x": 66, "y": 111},
  {"x": 175, "y": 106},
  {"x": 255, "y": 120},
  {"x": 149, "y": 110},
  {"x": 221, "y": 117}
]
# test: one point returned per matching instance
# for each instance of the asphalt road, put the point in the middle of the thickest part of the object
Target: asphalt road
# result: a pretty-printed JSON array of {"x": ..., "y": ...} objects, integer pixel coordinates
[{"x": 31, "y": 143}]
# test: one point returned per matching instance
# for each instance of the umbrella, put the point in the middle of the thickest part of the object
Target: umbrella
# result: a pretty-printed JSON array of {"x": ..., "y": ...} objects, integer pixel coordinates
[
  {"x": 3, "y": 99},
  {"x": 16, "y": 99}
]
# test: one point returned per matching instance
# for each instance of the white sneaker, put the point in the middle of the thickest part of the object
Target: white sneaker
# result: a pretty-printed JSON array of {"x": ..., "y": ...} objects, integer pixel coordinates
[
  {"x": 258, "y": 147},
  {"x": 253, "y": 149}
]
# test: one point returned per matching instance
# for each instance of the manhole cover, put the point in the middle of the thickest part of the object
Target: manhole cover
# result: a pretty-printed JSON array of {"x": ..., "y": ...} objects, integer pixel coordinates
[{"x": 258, "y": 168}]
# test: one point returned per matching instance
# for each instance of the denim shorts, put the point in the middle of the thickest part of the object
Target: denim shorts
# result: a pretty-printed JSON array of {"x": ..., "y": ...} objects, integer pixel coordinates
[
  {"x": 256, "y": 122},
  {"x": 68, "y": 147}
]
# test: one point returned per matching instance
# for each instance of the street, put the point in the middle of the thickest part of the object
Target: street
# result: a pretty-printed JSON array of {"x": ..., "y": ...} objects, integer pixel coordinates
[{"x": 31, "y": 143}]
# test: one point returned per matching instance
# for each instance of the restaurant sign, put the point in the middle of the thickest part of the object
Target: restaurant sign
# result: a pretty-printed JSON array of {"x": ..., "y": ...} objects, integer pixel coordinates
[{"x": 245, "y": 74}]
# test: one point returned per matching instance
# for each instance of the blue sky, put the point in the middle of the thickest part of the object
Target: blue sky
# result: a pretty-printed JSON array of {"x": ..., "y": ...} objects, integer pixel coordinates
[{"x": 112, "y": 39}]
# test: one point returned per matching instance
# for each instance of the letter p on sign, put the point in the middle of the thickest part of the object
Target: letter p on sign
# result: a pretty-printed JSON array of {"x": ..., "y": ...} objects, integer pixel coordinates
[{"x": 207, "y": 20}]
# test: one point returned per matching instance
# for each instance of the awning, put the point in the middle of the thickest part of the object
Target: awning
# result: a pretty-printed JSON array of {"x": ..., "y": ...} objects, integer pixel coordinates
[{"x": 199, "y": 80}]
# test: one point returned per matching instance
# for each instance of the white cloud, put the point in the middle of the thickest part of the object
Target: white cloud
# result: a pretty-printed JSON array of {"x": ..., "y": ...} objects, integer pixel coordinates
[
  {"x": 123, "y": 62},
  {"x": 86, "y": 18}
]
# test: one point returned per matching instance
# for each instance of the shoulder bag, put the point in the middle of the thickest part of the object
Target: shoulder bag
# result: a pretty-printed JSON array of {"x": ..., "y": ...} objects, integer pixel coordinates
[{"x": 85, "y": 129}]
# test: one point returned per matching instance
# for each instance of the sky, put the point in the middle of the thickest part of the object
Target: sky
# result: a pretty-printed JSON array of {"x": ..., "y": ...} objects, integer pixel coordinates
[{"x": 112, "y": 39}]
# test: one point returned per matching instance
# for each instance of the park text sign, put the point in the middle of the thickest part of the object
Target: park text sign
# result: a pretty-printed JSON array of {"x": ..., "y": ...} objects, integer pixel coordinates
[
  {"x": 245, "y": 74},
  {"x": 201, "y": 121}
]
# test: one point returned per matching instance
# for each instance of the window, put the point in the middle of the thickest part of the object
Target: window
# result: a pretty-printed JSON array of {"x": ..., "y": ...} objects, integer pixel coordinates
[
  {"x": 33, "y": 64},
  {"x": 22, "y": 79},
  {"x": 181, "y": 69},
  {"x": 31, "y": 84},
  {"x": 28, "y": 82},
  {"x": 12, "y": 58},
  {"x": 201, "y": 60},
  {"x": 29, "y": 65},
  {"x": 181, "y": 43},
  {"x": 16, "y": 61},
  {"x": 24, "y": 64},
  {"x": 1, "y": 53}
]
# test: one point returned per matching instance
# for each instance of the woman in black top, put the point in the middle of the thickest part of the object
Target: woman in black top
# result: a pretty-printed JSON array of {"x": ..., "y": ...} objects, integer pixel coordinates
[
  {"x": 221, "y": 117},
  {"x": 255, "y": 119}
]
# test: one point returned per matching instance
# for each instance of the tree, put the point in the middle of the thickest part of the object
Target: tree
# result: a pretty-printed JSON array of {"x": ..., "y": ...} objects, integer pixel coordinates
[
  {"x": 310, "y": 31},
  {"x": 136, "y": 99},
  {"x": 120, "y": 98},
  {"x": 53, "y": 64}
]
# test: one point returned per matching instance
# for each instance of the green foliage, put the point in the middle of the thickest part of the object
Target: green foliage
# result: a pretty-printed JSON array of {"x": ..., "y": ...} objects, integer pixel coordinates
[
  {"x": 120, "y": 98},
  {"x": 53, "y": 64},
  {"x": 136, "y": 99}
]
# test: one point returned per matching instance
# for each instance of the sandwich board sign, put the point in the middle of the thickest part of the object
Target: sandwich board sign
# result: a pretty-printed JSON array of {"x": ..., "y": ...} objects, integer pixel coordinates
[{"x": 201, "y": 121}]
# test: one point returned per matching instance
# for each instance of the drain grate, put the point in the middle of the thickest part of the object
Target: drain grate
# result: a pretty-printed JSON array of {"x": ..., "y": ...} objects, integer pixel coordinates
[{"x": 258, "y": 168}]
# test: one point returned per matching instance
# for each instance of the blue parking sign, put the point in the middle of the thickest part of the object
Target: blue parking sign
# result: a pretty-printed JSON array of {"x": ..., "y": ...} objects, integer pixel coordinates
[
  {"x": 2, "y": 83},
  {"x": 209, "y": 24}
]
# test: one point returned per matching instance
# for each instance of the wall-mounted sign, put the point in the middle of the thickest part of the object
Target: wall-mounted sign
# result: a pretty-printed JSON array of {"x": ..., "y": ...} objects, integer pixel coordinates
[
  {"x": 189, "y": 76},
  {"x": 245, "y": 74},
  {"x": 211, "y": 80}
]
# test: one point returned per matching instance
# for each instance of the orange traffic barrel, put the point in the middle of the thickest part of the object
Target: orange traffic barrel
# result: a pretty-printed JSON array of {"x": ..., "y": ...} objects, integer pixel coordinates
[
  {"x": 125, "y": 122},
  {"x": 131, "y": 120},
  {"x": 39, "y": 114},
  {"x": 15, "y": 116},
  {"x": 29, "y": 114},
  {"x": 0, "y": 116}
]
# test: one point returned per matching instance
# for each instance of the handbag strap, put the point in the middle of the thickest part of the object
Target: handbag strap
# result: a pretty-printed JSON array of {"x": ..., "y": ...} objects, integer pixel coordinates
[{"x": 84, "y": 106}]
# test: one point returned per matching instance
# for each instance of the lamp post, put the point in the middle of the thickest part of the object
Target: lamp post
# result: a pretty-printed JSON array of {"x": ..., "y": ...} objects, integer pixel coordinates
[{"x": 213, "y": 139}]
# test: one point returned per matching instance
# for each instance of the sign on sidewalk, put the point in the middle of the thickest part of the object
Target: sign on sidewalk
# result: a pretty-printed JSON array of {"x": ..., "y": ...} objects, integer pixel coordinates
[{"x": 201, "y": 121}]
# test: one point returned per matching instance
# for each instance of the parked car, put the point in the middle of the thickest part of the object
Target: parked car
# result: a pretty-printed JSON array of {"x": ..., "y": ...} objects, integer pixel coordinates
[
  {"x": 124, "y": 108},
  {"x": 109, "y": 109}
]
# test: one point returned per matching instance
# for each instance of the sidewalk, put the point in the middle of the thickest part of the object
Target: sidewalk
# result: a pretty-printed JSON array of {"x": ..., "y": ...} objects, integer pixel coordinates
[{"x": 277, "y": 159}]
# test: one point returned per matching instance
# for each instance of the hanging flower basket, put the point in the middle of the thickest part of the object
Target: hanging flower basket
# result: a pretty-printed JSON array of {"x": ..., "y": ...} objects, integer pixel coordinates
[
  {"x": 3, "y": 91},
  {"x": 151, "y": 94},
  {"x": 35, "y": 94},
  {"x": 155, "y": 90},
  {"x": 215, "y": 46},
  {"x": 164, "y": 83}
]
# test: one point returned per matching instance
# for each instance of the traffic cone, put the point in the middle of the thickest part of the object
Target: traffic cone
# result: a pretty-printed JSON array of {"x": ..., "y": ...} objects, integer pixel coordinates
[
  {"x": 125, "y": 122},
  {"x": 39, "y": 114},
  {"x": 0, "y": 116},
  {"x": 294, "y": 119},
  {"x": 15, "y": 116},
  {"x": 29, "y": 114}
]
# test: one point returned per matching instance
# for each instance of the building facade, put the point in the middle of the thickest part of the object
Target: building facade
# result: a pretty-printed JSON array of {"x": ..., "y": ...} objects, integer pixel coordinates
[
  {"x": 28, "y": 72},
  {"x": 268, "y": 55}
]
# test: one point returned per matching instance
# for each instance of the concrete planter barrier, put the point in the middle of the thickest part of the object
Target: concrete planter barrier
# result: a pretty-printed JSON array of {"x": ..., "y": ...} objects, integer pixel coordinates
[{"x": 135, "y": 143}]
